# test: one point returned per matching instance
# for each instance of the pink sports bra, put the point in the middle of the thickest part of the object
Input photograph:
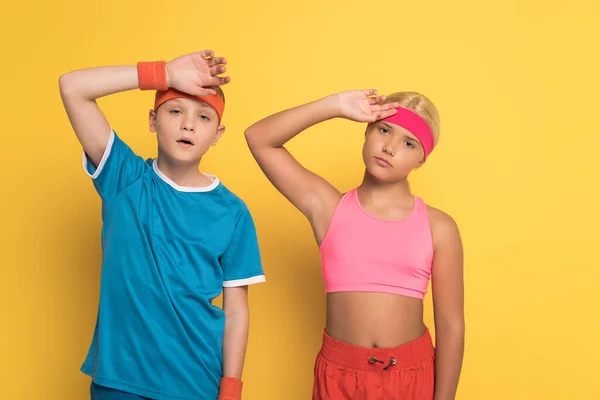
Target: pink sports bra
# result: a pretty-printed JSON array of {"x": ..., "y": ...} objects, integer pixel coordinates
[{"x": 363, "y": 253}]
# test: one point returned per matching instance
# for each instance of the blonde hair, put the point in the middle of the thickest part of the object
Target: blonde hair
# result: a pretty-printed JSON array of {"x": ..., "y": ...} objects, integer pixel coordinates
[{"x": 421, "y": 105}]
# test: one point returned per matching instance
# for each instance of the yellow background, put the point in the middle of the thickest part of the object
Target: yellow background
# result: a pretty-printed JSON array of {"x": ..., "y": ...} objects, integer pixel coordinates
[{"x": 517, "y": 86}]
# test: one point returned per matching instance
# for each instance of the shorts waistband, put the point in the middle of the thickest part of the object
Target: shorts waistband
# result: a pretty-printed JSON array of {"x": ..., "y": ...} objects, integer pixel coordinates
[{"x": 365, "y": 358}]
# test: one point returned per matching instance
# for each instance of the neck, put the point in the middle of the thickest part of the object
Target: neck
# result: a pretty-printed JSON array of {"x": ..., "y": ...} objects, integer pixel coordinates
[
  {"x": 395, "y": 192},
  {"x": 183, "y": 174}
]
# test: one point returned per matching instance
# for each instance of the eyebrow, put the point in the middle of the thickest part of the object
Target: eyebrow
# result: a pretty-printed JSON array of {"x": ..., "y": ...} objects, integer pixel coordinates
[
  {"x": 391, "y": 128},
  {"x": 412, "y": 139},
  {"x": 208, "y": 107},
  {"x": 199, "y": 103},
  {"x": 203, "y": 104}
]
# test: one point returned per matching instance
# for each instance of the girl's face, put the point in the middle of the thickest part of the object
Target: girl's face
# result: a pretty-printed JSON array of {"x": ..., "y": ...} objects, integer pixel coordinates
[{"x": 390, "y": 152}]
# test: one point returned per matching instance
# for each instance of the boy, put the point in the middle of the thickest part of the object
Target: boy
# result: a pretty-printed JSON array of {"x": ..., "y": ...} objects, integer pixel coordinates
[{"x": 172, "y": 238}]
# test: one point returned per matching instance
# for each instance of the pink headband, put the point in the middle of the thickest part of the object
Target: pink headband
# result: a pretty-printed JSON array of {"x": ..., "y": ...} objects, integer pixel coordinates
[{"x": 416, "y": 125}]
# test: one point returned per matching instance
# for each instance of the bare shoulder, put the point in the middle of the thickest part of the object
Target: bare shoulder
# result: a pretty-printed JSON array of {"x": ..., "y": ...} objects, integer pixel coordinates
[
  {"x": 440, "y": 219},
  {"x": 443, "y": 227}
]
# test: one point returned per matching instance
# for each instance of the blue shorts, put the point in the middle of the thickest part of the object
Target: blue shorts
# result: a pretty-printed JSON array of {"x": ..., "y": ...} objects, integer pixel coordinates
[{"x": 98, "y": 392}]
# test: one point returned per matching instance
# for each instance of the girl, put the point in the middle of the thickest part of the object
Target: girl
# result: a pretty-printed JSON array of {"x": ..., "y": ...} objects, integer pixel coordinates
[{"x": 379, "y": 247}]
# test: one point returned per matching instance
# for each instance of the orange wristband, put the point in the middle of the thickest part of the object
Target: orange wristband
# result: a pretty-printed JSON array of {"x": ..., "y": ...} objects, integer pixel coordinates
[
  {"x": 230, "y": 389},
  {"x": 152, "y": 75}
]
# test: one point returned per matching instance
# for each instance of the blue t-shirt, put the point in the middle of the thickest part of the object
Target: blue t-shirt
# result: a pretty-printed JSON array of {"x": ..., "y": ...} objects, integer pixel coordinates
[{"x": 168, "y": 251}]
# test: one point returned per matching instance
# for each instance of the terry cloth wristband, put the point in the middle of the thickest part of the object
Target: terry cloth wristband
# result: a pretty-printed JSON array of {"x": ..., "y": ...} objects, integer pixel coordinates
[
  {"x": 230, "y": 389},
  {"x": 152, "y": 75}
]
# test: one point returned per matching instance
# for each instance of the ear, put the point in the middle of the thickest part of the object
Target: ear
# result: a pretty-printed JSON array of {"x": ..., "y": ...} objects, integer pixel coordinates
[
  {"x": 220, "y": 132},
  {"x": 152, "y": 120}
]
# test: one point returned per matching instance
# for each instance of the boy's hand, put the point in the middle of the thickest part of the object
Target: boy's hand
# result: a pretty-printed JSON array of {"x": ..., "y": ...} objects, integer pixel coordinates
[
  {"x": 364, "y": 106},
  {"x": 193, "y": 73}
]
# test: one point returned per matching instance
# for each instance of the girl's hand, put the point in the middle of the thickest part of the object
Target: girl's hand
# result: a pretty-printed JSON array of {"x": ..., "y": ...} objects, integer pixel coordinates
[{"x": 364, "y": 106}]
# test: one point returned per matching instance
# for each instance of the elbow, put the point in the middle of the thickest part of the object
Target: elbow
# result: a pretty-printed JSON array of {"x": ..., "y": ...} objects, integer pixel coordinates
[
  {"x": 65, "y": 84},
  {"x": 252, "y": 139},
  {"x": 250, "y": 135}
]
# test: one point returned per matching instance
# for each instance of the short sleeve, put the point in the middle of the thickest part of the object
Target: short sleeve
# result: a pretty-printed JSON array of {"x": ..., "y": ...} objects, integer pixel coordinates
[
  {"x": 241, "y": 260},
  {"x": 119, "y": 167}
]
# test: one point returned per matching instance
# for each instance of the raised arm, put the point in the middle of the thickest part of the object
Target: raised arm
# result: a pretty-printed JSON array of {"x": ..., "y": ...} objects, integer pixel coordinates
[
  {"x": 79, "y": 91},
  {"x": 190, "y": 73},
  {"x": 312, "y": 195}
]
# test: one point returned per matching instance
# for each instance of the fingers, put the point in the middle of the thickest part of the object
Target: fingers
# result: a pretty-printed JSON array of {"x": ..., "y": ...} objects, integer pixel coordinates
[
  {"x": 387, "y": 113},
  {"x": 216, "y": 61},
  {"x": 370, "y": 92},
  {"x": 221, "y": 80},
  {"x": 385, "y": 107},
  {"x": 376, "y": 100},
  {"x": 209, "y": 57},
  {"x": 205, "y": 92},
  {"x": 391, "y": 105},
  {"x": 377, "y": 108},
  {"x": 195, "y": 90},
  {"x": 206, "y": 53},
  {"x": 218, "y": 81},
  {"x": 217, "y": 70}
]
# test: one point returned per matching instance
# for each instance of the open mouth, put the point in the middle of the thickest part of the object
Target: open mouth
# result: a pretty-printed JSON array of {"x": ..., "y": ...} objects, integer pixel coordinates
[{"x": 185, "y": 141}]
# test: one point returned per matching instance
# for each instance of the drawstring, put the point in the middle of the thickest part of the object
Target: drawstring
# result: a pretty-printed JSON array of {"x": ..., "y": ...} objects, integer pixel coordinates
[{"x": 392, "y": 362}]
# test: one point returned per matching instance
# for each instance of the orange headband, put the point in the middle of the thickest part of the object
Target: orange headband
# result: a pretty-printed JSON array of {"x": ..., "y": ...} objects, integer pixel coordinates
[{"x": 213, "y": 100}]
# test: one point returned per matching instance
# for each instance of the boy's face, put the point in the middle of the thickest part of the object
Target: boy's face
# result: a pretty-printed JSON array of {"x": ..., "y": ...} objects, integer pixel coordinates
[{"x": 185, "y": 128}]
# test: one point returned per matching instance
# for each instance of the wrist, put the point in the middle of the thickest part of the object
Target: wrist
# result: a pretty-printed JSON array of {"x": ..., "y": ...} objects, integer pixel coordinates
[
  {"x": 167, "y": 79},
  {"x": 230, "y": 388},
  {"x": 152, "y": 75},
  {"x": 444, "y": 396},
  {"x": 332, "y": 106}
]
